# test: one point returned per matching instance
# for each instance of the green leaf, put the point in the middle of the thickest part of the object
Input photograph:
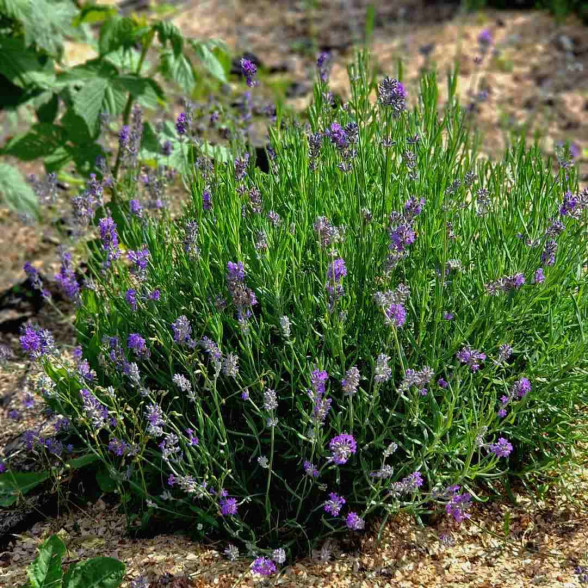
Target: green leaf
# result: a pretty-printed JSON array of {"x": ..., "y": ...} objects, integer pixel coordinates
[
  {"x": 89, "y": 102},
  {"x": 209, "y": 60},
  {"x": 99, "y": 572},
  {"x": 93, "y": 13},
  {"x": 22, "y": 66},
  {"x": 50, "y": 20},
  {"x": 96, "y": 96},
  {"x": 105, "y": 481},
  {"x": 41, "y": 140},
  {"x": 145, "y": 90},
  {"x": 167, "y": 32},
  {"x": 119, "y": 31},
  {"x": 82, "y": 461},
  {"x": 13, "y": 484},
  {"x": 45, "y": 571},
  {"x": 48, "y": 105},
  {"x": 178, "y": 68}
]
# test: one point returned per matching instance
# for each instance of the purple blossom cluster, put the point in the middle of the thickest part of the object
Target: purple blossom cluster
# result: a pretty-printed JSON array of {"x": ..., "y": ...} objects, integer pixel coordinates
[
  {"x": 243, "y": 297},
  {"x": 505, "y": 284},
  {"x": 342, "y": 447},
  {"x": 249, "y": 71},
  {"x": 320, "y": 404},
  {"x": 66, "y": 278},
  {"x": 109, "y": 236},
  {"x": 458, "y": 505},
  {"x": 401, "y": 232},
  {"x": 139, "y": 260},
  {"x": 471, "y": 357},
  {"x": 37, "y": 342},
  {"x": 392, "y": 94}
]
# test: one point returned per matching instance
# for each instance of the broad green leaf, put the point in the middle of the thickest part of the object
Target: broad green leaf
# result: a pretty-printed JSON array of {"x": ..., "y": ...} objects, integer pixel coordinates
[
  {"x": 146, "y": 91},
  {"x": 50, "y": 20},
  {"x": 167, "y": 32},
  {"x": 119, "y": 31},
  {"x": 93, "y": 13},
  {"x": 95, "y": 68},
  {"x": 150, "y": 143},
  {"x": 96, "y": 96},
  {"x": 89, "y": 102},
  {"x": 45, "y": 571},
  {"x": 40, "y": 140},
  {"x": 209, "y": 60},
  {"x": 99, "y": 572},
  {"x": 105, "y": 481},
  {"x": 178, "y": 68},
  {"x": 47, "y": 107},
  {"x": 22, "y": 66},
  {"x": 13, "y": 484}
]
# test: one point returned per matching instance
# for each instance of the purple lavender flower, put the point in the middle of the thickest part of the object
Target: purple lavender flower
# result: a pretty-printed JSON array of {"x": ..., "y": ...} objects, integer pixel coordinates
[
  {"x": 391, "y": 93},
  {"x": 228, "y": 506},
  {"x": 549, "y": 251},
  {"x": 36, "y": 342},
  {"x": 243, "y": 297},
  {"x": 383, "y": 372},
  {"x": 354, "y": 522},
  {"x": 249, "y": 70},
  {"x": 118, "y": 447},
  {"x": 3, "y": 467},
  {"x": 35, "y": 280},
  {"x": 124, "y": 136},
  {"x": 413, "y": 481},
  {"x": 521, "y": 388},
  {"x": 263, "y": 566},
  {"x": 334, "y": 504},
  {"x": 139, "y": 260},
  {"x": 350, "y": 382},
  {"x": 458, "y": 504},
  {"x": 95, "y": 411},
  {"x": 270, "y": 399},
  {"x": 321, "y": 405},
  {"x": 66, "y": 278},
  {"x": 206, "y": 200},
  {"x": 183, "y": 331},
  {"x": 336, "y": 270},
  {"x": 395, "y": 315},
  {"x": 336, "y": 133},
  {"x": 569, "y": 204},
  {"x": 310, "y": 469},
  {"x": 502, "y": 448},
  {"x": 342, "y": 447},
  {"x": 155, "y": 420},
  {"x": 182, "y": 123},
  {"x": 167, "y": 148},
  {"x": 323, "y": 65},
  {"x": 109, "y": 236},
  {"x": 448, "y": 316},
  {"x": 131, "y": 298},
  {"x": 192, "y": 439},
  {"x": 155, "y": 295},
  {"x": 485, "y": 39},
  {"x": 442, "y": 383},
  {"x": 539, "y": 276},
  {"x": 29, "y": 401},
  {"x": 471, "y": 357},
  {"x": 138, "y": 345}
]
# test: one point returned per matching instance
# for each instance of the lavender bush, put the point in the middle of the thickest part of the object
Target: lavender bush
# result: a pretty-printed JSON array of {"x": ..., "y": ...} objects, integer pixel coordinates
[{"x": 385, "y": 321}]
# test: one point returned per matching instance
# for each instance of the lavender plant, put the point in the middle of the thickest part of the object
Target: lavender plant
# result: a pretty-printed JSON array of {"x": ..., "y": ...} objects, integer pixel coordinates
[{"x": 385, "y": 321}]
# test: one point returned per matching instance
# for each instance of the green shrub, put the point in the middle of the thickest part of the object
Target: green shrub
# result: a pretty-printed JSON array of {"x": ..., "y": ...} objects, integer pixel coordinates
[{"x": 385, "y": 321}]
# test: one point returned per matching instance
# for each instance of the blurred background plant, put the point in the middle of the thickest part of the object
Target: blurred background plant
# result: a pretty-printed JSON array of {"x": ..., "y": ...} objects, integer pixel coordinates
[{"x": 70, "y": 105}]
